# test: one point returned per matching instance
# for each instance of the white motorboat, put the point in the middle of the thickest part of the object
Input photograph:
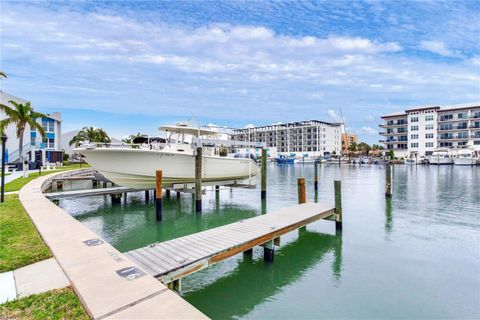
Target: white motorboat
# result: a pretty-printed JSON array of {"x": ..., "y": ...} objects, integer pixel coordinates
[
  {"x": 440, "y": 157},
  {"x": 466, "y": 157},
  {"x": 415, "y": 160},
  {"x": 135, "y": 167}
]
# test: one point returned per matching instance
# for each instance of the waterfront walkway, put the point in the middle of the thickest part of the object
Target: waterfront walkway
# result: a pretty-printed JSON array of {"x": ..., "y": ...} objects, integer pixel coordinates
[
  {"x": 171, "y": 260},
  {"x": 108, "y": 283},
  {"x": 36, "y": 278}
]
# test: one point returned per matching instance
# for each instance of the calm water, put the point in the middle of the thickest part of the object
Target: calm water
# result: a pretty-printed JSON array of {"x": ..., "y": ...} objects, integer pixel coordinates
[{"x": 414, "y": 256}]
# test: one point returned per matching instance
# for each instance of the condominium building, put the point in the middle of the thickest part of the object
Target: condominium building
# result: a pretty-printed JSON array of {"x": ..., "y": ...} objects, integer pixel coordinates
[
  {"x": 420, "y": 130},
  {"x": 34, "y": 147},
  {"x": 313, "y": 138}
]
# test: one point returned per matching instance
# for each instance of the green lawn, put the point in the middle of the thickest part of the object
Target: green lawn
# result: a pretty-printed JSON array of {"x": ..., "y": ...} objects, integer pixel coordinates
[
  {"x": 17, "y": 184},
  {"x": 20, "y": 243},
  {"x": 55, "y": 304}
]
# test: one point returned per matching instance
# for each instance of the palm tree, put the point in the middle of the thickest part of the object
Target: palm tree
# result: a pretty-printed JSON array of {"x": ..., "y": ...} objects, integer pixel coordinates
[
  {"x": 130, "y": 138},
  {"x": 21, "y": 115},
  {"x": 3, "y": 74},
  {"x": 352, "y": 147},
  {"x": 90, "y": 134}
]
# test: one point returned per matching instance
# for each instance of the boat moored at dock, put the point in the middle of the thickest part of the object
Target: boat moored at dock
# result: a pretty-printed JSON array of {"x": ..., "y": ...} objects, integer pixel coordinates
[
  {"x": 466, "y": 157},
  {"x": 135, "y": 167},
  {"x": 441, "y": 157}
]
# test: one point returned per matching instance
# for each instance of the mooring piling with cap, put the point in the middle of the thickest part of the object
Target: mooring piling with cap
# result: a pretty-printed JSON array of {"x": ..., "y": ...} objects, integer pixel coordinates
[
  {"x": 338, "y": 204},
  {"x": 388, "y": 180},
  {"x": 158, "y": 195},
  {"x": 264, "y": 174},
  {"x": 198, "y": 180},
  {"x": 315, "y": 178}
]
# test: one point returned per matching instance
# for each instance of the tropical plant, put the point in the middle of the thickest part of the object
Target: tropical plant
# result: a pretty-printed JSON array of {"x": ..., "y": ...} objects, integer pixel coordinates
[
  {"x": 391, "y": 154},
  {"x": 90, "y": 134},
  {"x": 352, "y": 147},
  {"x": 130, "y": 138},
  {"x": 364, "y": 148},
  {"x": 21, "y": 115}
]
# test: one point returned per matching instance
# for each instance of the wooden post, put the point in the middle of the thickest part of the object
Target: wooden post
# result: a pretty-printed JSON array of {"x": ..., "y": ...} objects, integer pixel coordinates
[
  {"x": 388, "y": 181},
  {"x": 158, "y": 195},
  {"x": 167, "y": 193},
  {"x": 198, "y": 180},
  {"x": 268, "y": 251},
  {"x": 147, "y": 195},
  {"x": 178, "y": 194},
  {"x": 104, "y": 184},
  {"x": 338, "y": 204},
  {"x": 315, "y": 183},
  {"x": 302, "y": 196},
  {"x": 125, "y": 197},
  {"x": 59, "y": 184},
  {"x": 264, "y": 174},
  {"x": 217, "y": 189},
  {"x": 94, "y": 182},
  {"x": 116, "y": 198}
]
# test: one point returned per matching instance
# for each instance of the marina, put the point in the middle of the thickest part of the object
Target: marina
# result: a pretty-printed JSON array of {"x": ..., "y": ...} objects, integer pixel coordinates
[{"x": 320, "y": 260}]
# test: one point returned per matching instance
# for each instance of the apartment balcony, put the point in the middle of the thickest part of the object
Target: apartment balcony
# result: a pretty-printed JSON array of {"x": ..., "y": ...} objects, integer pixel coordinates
[
  {"x": 393, "y": 125},
  {"x": 453, "y": 138},
  {"x": 453, "y": 128},
  {"x": 453, "y": 120}
]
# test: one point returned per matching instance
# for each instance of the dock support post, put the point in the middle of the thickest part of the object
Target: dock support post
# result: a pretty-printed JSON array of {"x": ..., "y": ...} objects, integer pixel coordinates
[
  {"x": 147, "y": 195},
  {"x": 158, "y": 195},
  {"x": 178, "y": 194},
  {"x": 59, "y": 184},
  {"x": 175, "y": 285},
  {"x": 104, "y": 184},
  {"x": 388, "y": 181},
  {"x": 268, "y": 251},
  {"x": 302, "y": 196},
  {"x": 167, "y": 193},
  {"x": 248, "y": 252},
  {"x": 94, "y": 183},
  {"x": 264, "y": 174},
  {"x": 125, "y": 197},
  {"x": 116, "y": 198},
  {"x": 198, "y": 180},
  {"x": 338, "y": 204},
  {"x": 315, "y": 181}
]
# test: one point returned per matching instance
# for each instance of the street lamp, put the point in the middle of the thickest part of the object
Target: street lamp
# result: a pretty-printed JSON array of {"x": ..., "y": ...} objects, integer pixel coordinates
[{"x": 4, "y": 142}]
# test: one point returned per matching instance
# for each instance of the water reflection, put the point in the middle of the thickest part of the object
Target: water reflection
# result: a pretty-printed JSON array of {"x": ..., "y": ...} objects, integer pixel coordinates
[{"x": 255, "y": 282}]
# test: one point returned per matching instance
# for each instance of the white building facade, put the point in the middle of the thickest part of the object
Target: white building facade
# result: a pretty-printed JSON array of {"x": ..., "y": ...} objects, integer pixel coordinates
[
  {"x": 35, "y": 149},
  {"x": 311, "y": 138},
  {"x": 421, "y": 130}
]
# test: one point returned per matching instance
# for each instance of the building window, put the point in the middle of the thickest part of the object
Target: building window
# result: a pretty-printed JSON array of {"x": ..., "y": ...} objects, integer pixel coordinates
[
  {"x": 414, "y": 119},
  {"x": 446, "y": 117},
  {"x": 429, "y": 127},
  {"x": 429, "y": 136},
  {"x": 414, "y": 128},
  {"x": 429, "y": 118},
  {"x": 414, "y": 145},
  {"x": 414, "y": 136},
  {"x": 429, "y": 145}
]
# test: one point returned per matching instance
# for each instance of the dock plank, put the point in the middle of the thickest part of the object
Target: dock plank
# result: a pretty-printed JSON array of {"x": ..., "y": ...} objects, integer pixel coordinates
[{"x": 176, "y": 258}]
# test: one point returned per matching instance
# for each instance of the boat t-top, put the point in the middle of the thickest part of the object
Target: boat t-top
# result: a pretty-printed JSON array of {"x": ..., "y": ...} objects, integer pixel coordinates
[{"x": 135, "y": 166}]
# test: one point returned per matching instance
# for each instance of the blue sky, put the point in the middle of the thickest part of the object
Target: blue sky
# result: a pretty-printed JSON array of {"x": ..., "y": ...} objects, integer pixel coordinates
[{"x": 130, "y": 66}]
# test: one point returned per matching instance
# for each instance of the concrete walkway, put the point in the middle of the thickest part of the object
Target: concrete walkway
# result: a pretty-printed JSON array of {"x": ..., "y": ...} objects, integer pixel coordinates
[
  {"x": 109, "y": 285},
  {"x": 36, "y": 278}
]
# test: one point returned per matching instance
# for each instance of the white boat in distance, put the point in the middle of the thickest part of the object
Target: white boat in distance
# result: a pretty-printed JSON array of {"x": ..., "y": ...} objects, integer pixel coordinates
[
  {"x": 466, "y": 157},
  {"x": 135, "y": 166},
  {"x": 440, "y": 157}
]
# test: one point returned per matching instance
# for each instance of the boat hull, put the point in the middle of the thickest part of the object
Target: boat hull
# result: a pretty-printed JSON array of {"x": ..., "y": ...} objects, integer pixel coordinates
[
  {"x": 444, "y": 161},
  {"x": 465, "y": 161},
  {"x": 136, "y": 169}
]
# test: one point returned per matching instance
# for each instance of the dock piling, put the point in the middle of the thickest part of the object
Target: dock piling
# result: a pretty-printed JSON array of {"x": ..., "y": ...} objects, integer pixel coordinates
[
  {"x": 268, "y": 251},
  {"x": 167, "y": 193},
  {"x": 158, "y": 195},
  {"x": 388, "y": 181},
  {"x": 198, "y": 180},
  {"x": 302, "y": 196},
  {"x": 116, "y": 198},
  {"x": 178, "y": 194},
  {"x": 147, "y": 195},
  {"x": 315, "y": 183},
  {"x": 338, "y": 204},
  {"x": 264, "y": 174}
]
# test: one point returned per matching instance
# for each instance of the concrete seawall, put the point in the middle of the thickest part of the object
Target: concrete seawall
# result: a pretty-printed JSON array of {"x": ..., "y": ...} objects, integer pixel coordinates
[{"x": 94, "y": 270}]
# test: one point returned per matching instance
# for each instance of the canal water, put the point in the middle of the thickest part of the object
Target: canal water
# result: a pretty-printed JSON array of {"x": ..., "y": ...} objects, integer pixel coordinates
[{"x": 416, "y": 255}]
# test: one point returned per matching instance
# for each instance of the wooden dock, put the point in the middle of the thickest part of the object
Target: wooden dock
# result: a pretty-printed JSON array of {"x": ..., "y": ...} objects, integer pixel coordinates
[
  {"x": 171, "y": 260},
  {"x": 88, "y": 192}
]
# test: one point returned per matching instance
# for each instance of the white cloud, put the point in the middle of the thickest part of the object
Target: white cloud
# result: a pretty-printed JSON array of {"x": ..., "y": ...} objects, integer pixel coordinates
[
  {"x": 437, "y": 47},
  {"x": 248, "y": 126},
  {"x": 369, "y": 130}
]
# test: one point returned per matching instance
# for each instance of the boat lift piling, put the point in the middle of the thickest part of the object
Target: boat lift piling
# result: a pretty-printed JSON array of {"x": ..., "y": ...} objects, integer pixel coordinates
[
  {"x": 388, "y": 181},
  {"x": 315, "y": 180},
  {"x": 198, "y": 180},
  {"x": 264, "y": 174},
  {"x": 158, "y": 195},
  {"x": 338, "y": 204}
]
